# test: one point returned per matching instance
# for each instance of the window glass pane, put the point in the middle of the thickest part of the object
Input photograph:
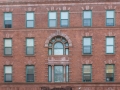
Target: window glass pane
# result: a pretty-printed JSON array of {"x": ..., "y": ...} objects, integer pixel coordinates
[
  {"x": 109, "y": 77},
  {"x": 8, "y": 43},
  {"x": 87, "y": 14},
  {"x": 58, "y": 51},
  {"x": 30, "y": 77},
  {"x": 87, "y": 22},
  {"x": 110, "y": 49},
  {"x": 67, "y": 75},
  {"x": 30, "y": 16},
  {"x": 66, "y": 51},
  {"x": 30, "y": 50},
  {"x": 87, "y": 41},
  {"x": 110, "y": 22},
  {"x": 52, "y": 23},
  {"x": 52, "y": 15},
  {"x": 8, "y": 16},
  {"x": 50, "y": 51},
  {"x": 87, "y": 69},
  {"x": 87, "y": 49},
  {"x": 8, "y": 69},
  {"x": 110, "y": 69},
  {"x": 64, "y": 15},
  {"x": 8, "y": 77},
  {"x": 8, "y": 22},
  {"x": 30, "y": 42},
  {"x": 64, "y": 22},
  {"x": 8, "y": 51},
  {"x": 49, "y": 73},
  {"x": 30, "y": 69},
  {"x": 66, "y": 44},
  {"x": 30, "y": 23},
  {"x": 58, "y": 45},
  {"x": 110, "y": 14},
  {"x": 110, "y": 41},
  {"x": 58, "y": 77},
  {"x": 86, "y": 77}
]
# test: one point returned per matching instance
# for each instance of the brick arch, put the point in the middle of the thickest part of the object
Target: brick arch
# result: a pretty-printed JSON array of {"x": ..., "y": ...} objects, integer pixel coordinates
[{"x": 58, "y": 33}]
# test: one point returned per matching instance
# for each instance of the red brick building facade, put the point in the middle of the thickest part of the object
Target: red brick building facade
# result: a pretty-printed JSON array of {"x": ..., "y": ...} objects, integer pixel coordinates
[{"x": 59, "y": 44}]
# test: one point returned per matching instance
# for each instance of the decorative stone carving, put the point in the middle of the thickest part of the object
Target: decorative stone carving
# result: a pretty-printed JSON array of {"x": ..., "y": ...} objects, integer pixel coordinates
[
  {"x": 30, "y": 62},
  {"x": 30, "y": 9},
  {"x": 87, "y": 34},
  {"x": 110, "y": 34},
  {"x": 58, "y": 33},
  {"x": 52, "y": 8},
  {"x": 110, "y": 61},
  {"x": 87, "y": 8},
  {"x": 8, "y": 62},
  {"x": 110, "y": 7},
  {"x": 86, "y": 62},
  {"x": 58, "y": 60}
]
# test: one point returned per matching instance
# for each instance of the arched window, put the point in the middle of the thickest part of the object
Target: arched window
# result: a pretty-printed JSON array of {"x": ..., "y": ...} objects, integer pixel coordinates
[{"x": 58, "y": 46}]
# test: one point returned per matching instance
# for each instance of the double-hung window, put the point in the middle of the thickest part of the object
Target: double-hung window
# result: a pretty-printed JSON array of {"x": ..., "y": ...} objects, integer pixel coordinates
[
  {"x": 30, "y": 73},
  {"x": 110, "y": 15},
  {"x": 109, "y": 72},
  {"x": 52, "y": 19},
  {"x": 87, "y": 18},
  {"x": 64, "y": 19},
  {"x": 110, "y": 45},
  {"x": 87, "y": 73},
  {"x": 7, "y": 46},
  {"x": 30, "y": 19},
  {"x": 87, "y": 45},
  {"x": 8, "y": 20},
  {"x": 8, "y": 73},
  {"x": 30, "y": 46}
]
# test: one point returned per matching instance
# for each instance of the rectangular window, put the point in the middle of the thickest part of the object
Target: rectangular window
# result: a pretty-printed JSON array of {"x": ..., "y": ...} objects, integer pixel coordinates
[
  {"x": 110, "y": 45},
  {"x": 8, "y": 73},
  {"x": 87, "y": 18},
  {"x": 8, "y": 20},
  {"x": 109, "y": 73},
  {"x": 52, "y": 19},
  {"x": 30, "y": 46},
  {"x": 110, "y": 18},
  {"x": 87, "y": 45},
  {"x": 30, "y": 19},
  {"x": 58, "y": 73},
  {"x": 64, "y": 19},
  {"x": 30, "y": 73},
  {"x": 7, "y": 46},
  {"x": 87, "y": 73}
]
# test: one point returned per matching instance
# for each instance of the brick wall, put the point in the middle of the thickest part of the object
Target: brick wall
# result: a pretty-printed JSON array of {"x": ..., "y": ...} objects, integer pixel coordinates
[{"x": 75, "y": 32}]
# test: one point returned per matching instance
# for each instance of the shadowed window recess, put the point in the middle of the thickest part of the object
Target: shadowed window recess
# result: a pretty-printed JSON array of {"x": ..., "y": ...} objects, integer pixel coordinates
[
  {"x": 52, "y": 19},
  {"x": 109, "y": 45},
  {"x": 64, "y": 19},
  {"x": 30, "y": 19},
  {"x": 110, "y": 17},
  {"x": 87, "y": 73},
  {"x": 87, "y": 18},
  {"x": 30, "y": 46},
  {"x": 87, "y": 45},
  {"x": 8, "y": 73},
  {"x": 8, "y": 20},
  {"x": 7, "y": 46},
  {"x": 30, "y": 73},
  {"x": 109, "y": 72}
]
